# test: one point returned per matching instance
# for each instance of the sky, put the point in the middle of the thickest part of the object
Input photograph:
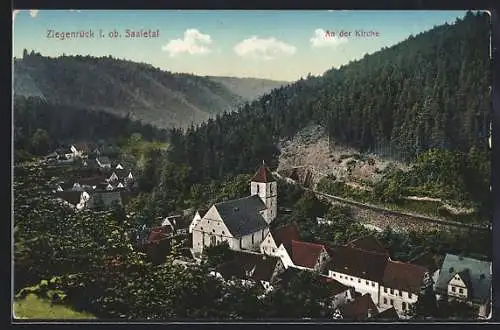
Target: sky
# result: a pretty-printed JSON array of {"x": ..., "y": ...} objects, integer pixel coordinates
[{"x": 270, "y": 44}]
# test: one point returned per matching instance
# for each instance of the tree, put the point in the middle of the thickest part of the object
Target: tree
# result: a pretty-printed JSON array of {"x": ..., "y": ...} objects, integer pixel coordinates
[
  {"x": 40, "y": 142},
  {"x": 218, "y": 254},
  {"x": 426, "y": 306}
]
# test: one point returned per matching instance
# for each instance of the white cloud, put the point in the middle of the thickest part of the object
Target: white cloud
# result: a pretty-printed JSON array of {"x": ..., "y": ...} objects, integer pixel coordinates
[
  {"x": 320, "y": 39},
  {"x": 75, "y": 10},
  {"x": 34, "y": 12},
  {"x": 266, "y": 49},
  {"x": 194, "y": 42}
]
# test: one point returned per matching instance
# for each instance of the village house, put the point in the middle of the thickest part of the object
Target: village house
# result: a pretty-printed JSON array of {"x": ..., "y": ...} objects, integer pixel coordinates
[
  {"x": 467, "y": 280},
  {"x": 73, "y": 198},
  {"x": 120, "y": 176},
  {"x": 305, "y": 256},
  {"x": 197, "y": 217},
  {"x": 340, "y": 294},
  {"x": 389, "y": 314},
  {"x": 283, "y": 242},
  {"x": 243, "y": 222},
  {"x": 358, "y": 268},
  {"x": 104, "y": 199},
  {"x": 279, "y": 241},
  {"x": 178, "y": 223},
  {"x": 79, "y": 150},
  {"x": 103, "y": 161},
  {"x": 401, "y": 285},
  {"x": 361, "y": 308},
  {"x": 251, "y": 268}
]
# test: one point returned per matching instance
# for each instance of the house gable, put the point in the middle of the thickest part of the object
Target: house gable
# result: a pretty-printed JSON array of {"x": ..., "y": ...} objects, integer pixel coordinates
[
  {"x": 457, "y": 281},
  {"x": 268, "y": 245},
  {"x": 213, "y": 224}
]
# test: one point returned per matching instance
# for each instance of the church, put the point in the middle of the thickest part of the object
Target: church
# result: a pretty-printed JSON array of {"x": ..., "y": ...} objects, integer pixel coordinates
[{"x": 243, "y": 222}]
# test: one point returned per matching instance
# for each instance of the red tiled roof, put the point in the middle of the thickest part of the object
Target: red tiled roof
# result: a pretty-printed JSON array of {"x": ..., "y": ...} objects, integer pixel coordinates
[
  {"x": 305, "y": 254},
  {"x": 356, "y": 262},
  {"x": 263, "y": 174},
  {"x": 429, "y": 260},
  {"x": 263, "y": 266},
  {"x": 159, "y": 233},
  {"x": 358, "y": 308},
  {"x": 368, "y": 243},
  {"x": 83, "y": 146},
  {"x": 403, "y": 276},
  {"x": 285, "y": 235}
]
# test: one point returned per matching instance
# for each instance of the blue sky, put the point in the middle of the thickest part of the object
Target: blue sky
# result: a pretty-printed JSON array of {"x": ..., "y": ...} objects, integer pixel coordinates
[{"x": 280, "y": 45}]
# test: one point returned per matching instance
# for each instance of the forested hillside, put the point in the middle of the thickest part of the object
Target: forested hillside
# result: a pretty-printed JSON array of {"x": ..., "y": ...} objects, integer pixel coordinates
[
  {"x": 429, "y": 91},
  {"x": 122, "y": 87}
]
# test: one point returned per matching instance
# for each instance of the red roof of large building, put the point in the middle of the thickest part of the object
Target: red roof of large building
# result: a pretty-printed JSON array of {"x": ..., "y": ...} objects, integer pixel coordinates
[
  {"x": 305, "y": 254},
  {"x": 356, "y": 262},
  {"x": 286, "y": 234},
  {"x": 404, "y": 276},
  {"x": 263, "y": 174}
]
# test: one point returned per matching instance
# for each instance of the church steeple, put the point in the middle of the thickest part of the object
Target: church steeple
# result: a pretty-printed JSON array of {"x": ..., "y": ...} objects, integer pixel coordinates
[
  {"x": 263, "y": 174},
  {"x": 264, "y": 185}
]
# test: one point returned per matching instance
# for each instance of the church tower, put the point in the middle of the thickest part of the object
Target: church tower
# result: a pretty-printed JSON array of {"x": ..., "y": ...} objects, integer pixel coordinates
[{"x": 266, "y": 188}]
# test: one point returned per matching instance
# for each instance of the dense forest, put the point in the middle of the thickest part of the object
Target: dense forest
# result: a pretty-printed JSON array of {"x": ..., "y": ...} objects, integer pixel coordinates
[
  {"x": 40, "y": 126},
  {"x": 429, "y": 91}
]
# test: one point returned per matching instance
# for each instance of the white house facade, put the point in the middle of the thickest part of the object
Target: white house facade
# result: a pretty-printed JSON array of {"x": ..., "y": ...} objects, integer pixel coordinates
[{"x": 362, "y": 270}]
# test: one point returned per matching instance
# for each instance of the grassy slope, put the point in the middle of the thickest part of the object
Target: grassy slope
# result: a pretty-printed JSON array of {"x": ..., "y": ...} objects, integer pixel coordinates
[{"x": 33, "y": 307}]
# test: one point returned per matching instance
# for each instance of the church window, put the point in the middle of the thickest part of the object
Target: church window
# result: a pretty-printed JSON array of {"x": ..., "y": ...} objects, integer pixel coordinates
[
  {"x": 403, "y": 305},
  {"x": 392, "y": 302},
  {"x": 257, "y": 189},
  {"x": 453, "y": 288},
  {"x": 385, "y": 301},
  {"x": 223, "y": 232},
  {"x": 252, "y": 239},
  {"x": 461, "y": 290},
  {"x": 213, "y": 230}
]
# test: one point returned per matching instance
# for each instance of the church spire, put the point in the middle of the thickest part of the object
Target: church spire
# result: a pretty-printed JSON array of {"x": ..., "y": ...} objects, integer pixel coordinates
[{"x": 263, "y": 174}]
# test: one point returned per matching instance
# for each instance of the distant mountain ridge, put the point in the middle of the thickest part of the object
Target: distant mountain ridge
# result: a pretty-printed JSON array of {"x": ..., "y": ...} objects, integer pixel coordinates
[
  {"x": 249, "y": 88},
  {"x": 127, "y": 88}
]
